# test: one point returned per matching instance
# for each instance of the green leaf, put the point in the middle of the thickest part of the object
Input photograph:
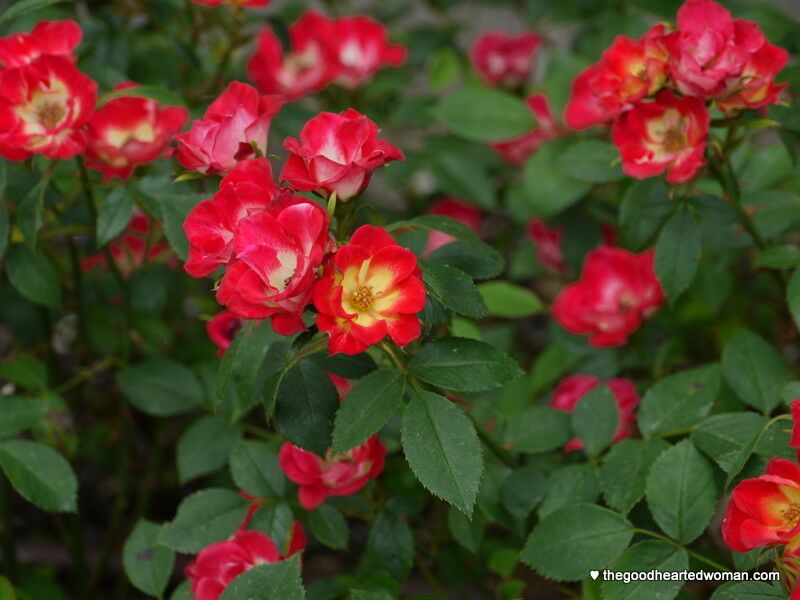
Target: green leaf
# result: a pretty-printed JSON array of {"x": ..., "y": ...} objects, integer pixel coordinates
[
  {"x": 748, "y": 590},
  {"x": 679, "y": 401},
  {"x": 255, "y": 469},
  {"x": 369, "y": 405},
  {"x": 276, "y": 521},
  {"x": 390, "y": 546},
  {"x": 779, "y": 257},
  {"x": 574, "y": 540},
  {"x": 329, "y": 527},
  {"x": 458, "y": 175},
  {"x": 447, "y": 225},
  {"x": 511, "y": 301},
  {"x": 5, "y": 226},
  {"x": 792, "y": 296},
  {"x": 23, "y": 7},
  {"x": 30, "y": 214},
  {"x": 114, "y": 215},
  {"x": 681, "y": 493},
  {"x": 547, "y": 191},
  {"x": 453, "y": 289},
  {"x": 479, "y": 261},
  {"x": 645, "y": 207},
  {"x": 204, "y": 447},
  {"x": 158, "y": 93},
  {"x": 678, "y": 252},
  {"x": 467, "y": 531},
  {"x": 26, "y": 371},
  {"x": 650, "y": 555},
  {"x": 754, "y": 370},
  {"x": 442, "y": 449},
  {"x": 569, "y": 485},
  {"x": 591, "y": 161},
  {"x": 485, "y": 115},
  {"x": 723, "y": 436},
  {"x": 522, "y": 490},
  {"x": 40, "y": 475},
  {"x": 538, "y": 429},
  {"x": 161, "y": 387},
  {"x": 18, "y": 414},
  {"x": 33, "y": 276},
  {"x": 276, "y": 581},
  {"x": 624, "y": 473},
  {"x": 147, "y": 564},
  {"x": 203, "y": 518},
  {"x": 305, "y": 407},
  {"x": 595, "y": 419},
  {"x": 463, "y": 365}
]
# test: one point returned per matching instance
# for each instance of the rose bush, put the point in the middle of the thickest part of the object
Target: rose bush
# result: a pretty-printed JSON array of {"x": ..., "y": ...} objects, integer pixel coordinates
[{"x": 401, "y": 299}]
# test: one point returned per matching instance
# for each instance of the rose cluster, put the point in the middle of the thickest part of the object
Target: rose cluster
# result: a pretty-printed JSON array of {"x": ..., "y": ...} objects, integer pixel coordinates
[
  {"x": 49, "y": 107},
  {"x": 656, "y": 91}
]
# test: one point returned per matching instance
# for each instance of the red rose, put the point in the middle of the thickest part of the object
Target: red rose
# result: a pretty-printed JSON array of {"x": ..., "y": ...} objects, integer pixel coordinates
[
  {"x": 710, "y": 52},
  {"x": 547, "y": 241},
  {"x": 765, "y": 510},
  {"x": 668, "y": 134},
  {"x": 518, "y": 150},
  {"x": 462, "y": 212},
  {"x": 133, "y": 248},
  {"x": 360, "y": 45},
  {"x": 571, "y": 390},
  {"x": 56, "y": 38},
  {"x": 43, "y": 106},
  {"x": 336, "y": 153},
  {"x": 504, "y": 59},
  {"x": 129, "y": 131},
  {"x": 372, "y": 288},
  {"x": 617, "y": 290},
  {"x": 310, "y": 65},
  {"x": 222, "y": 328},
  {"x": 335, "y": 475},
  {"x": 217, "y": 565},
  {"x": 628, "y": 71},
  {"x": 234, "y": 127}
]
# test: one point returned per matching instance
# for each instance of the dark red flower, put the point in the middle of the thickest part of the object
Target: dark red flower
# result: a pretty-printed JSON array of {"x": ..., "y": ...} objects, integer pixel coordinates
[
  {"x": 222, "y": 329},
  {"x": 504, "y": 59}
]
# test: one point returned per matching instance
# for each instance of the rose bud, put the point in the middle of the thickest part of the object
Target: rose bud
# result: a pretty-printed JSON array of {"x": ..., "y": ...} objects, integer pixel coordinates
[
  {"x": 222, "y": 329},
  {"x": 54, "y": 38},
  {"x": 571, "y": 390},
  {"x": 667, "y": 135},
  {"x": 462, "y": 212},
  {"x": 132, "y": 249},
  {"x": 310, "y": 65},
  {"x": 504, "y": 59},
  {"x": 210, "y": 226},
  {"x": 335, "y": 475},
  {"x": 617, "y": 290},
  {"x": 628, "y": 71},
  {"x": 43, "y": 106},
  {"x": 234, "y": 127},
  {"x": 765, "y": 510},
  {"x": 518, "y": 150},
  {"x": 217, "y": 565},
  {"x": 361, "y": 47},
  {"x": 336, "y": 153},
  {"x": 547, "y": 241},
  {"x": 710, "y": 49},
  {"x": 130, "y": 131},
  {"x": 372, "y": 288}
]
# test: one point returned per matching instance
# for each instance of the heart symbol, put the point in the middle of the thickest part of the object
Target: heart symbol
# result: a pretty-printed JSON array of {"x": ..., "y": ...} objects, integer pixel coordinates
[{"x": 594, "y": 574}]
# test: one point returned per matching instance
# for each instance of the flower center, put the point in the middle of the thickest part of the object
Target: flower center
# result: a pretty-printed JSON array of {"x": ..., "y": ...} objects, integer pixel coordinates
[
  {"x": 362, "y": 298},
  {"x": 791, "y": 515},
  {"x": 674, "y": 139},
  {"x": 50, "y": 114}
]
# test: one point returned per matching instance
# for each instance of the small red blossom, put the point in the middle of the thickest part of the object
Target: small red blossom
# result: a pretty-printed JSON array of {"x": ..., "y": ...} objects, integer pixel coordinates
[
  {"x": 336, "y": 153},
  {"x": 335, "y": 475},
  {"x": 547, "y": 241},
  {"x": 234, "y": 127},
  {"x": 43, "y": 106},
  {"x": 518, "y": 150},
  {"x": 765, "y": 510},
  {"x": 462, "y": 212},
  {"x": 571, "y": 390},
  {"x": 628, "y": 71},
  {"x": 617, "y": 290},
  {"x": 504, "y": 59},
  {"x": 222, "y": 328},
  {"x": 130, "y": 131},
  {"x": 372, "y": 288},
  {"x": 54, "y": 38},
  {"x": 217, "y": 565},
  {"x": 342, "y": 385},
  {"x": 667, "y": 135},
  {"x": 133, "y": 248}
]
